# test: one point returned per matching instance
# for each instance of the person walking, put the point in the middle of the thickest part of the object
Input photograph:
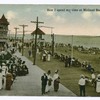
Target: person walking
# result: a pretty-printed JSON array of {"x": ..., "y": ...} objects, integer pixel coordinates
[
  {"x": 82, "y": 85},
  {"x": 4, "y": 71},
  {"x": 56, "y": 81},
  {"x": 29, "y": 53},
  {"x": 44, "y": 83},
  {"x": 49, "y": 82},
  {"x": 69, "y": 61},
  {"x": 66, "y": 61},
  {"x": 48, "y": 59},
  {"x": 93, "y": 78},
  {"x": 98, "y": 84},
  {"x": 19, "y": 48},
  {"x": 44, "y": 57},
  {"x": 1, "y": 78}
]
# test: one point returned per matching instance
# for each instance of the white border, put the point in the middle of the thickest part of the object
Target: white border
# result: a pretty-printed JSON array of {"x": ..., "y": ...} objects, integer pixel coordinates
[
  {"x": 97, "y": 2},
  {"x": 81, "y": 2}
]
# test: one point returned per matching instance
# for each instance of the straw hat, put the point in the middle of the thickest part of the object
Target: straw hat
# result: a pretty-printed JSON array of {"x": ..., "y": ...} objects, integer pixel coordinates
[
  {"x": 98, "y": 75},
  {"x": 3, "y": 64},
  {"x": 82, "y": 76},
  {"x": 56, "y": 71}
]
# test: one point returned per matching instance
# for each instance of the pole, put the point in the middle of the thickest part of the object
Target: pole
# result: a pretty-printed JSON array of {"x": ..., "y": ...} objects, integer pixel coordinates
[
  {"x": 9, "y": 34},
  {"x": 36, "y": 38},
  {"x": 23, "y": 42},
  {"x": 16, "y": 32},
  {"x": 52, "y": 44},
  {"x": 72, "y": 48},
  {"x": 23, "y": 38}
]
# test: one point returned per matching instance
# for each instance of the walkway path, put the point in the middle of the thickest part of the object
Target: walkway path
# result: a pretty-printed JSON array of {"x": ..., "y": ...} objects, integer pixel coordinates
[{"x": 30, "y": 85}]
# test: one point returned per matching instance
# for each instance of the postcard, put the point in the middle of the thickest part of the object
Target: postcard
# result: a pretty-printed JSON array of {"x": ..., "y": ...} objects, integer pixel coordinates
[{"x": 49, "y": 50}]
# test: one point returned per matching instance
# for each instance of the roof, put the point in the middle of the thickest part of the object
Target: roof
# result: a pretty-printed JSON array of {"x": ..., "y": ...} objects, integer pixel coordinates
[
  {"x": 3, "y": 20},
  {"x": 39, "y": 31}
]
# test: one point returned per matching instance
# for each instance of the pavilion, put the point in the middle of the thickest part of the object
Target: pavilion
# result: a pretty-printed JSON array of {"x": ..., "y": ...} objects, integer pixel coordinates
[{"x": 40, "y": 40}]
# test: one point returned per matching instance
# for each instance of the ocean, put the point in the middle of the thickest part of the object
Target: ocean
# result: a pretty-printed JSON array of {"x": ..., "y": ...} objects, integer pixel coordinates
[{"x": 85, "y": 41}]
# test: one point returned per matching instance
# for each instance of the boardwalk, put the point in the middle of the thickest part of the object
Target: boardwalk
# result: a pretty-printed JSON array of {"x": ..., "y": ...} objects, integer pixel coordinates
[{"x": 30, "y": 85}]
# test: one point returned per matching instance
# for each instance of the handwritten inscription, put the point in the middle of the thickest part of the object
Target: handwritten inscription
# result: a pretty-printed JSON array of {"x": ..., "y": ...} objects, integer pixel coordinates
[{"x": 71, "y": 10}]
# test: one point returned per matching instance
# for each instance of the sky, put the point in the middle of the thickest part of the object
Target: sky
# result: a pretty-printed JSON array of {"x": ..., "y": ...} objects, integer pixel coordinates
[{"x": 65, "y": 19}]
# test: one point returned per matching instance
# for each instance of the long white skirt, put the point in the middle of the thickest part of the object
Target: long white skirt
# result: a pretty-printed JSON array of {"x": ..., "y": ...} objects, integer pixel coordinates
[
  {"x": 0, "y": 82},
  {"x": 48, "y": 58},
  {"x": 98, "y": 87},
  {"x": 48, "y": 88}
]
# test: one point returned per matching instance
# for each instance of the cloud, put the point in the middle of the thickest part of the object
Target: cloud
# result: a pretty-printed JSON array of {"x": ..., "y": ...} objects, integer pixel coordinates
[
  {"x": 86, "y": 15},
  {"x": 28, "y": 9},
  {"x": 51, "y": 14},
  {"x": 58, "y": 18},
  {"x": 97, "y": 13},
  {"x": 11, "y": 15}
]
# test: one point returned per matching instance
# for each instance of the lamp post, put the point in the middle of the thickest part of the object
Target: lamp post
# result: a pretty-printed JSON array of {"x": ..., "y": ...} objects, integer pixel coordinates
[{"x": 72, "y": 48}]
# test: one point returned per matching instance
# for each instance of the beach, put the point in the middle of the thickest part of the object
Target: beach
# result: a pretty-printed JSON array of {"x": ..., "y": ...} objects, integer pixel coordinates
[{"x": 86, "y": 41}]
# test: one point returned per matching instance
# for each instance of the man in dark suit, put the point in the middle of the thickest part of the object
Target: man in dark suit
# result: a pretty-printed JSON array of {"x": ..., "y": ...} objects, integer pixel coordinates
[
  {"x": 44, "y": 83},
  {"x": 69, "y": 61}
]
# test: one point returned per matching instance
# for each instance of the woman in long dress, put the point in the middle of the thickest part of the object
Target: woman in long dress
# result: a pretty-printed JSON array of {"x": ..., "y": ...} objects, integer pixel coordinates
[
  {"x": 9, "y": 78},
  {"x": 56, "y": 81},
  {"x": 98, "y": 84},
  {"x": 44, "y": 57},
  {"x": 49, "y": 82},
  {"x": 4, "y": 70},
  {"x": 0, "y": 79},
  {"x": 48, "y": 57}
]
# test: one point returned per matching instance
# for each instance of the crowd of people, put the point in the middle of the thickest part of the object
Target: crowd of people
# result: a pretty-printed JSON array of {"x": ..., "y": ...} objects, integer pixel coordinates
[
  {"x": 11, "y": 66},
  {"x": 10, "y": 69},
  {"x": 68, "y": 60},
  {"x": 95, "y": 81},
  {"x": 87, "y": 66}
]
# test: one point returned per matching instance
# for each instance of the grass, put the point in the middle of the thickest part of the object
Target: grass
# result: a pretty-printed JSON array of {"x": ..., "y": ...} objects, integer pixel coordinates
[{"x": 70, "y": 76}]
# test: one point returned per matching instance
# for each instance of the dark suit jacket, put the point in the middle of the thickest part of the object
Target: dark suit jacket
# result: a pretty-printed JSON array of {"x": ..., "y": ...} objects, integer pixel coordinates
[{"x": 44, "y": 80}]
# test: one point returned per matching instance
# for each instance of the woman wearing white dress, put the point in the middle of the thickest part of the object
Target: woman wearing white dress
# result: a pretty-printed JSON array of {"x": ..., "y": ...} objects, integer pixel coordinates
[
  {"x": 98, "y": 84},
  {"x": 37, "y": 51},
  {"x": 49, "y": 82},
  {"x": 4, "y": 70},
  {"x": 0, "y": 78},
  {"x": 48, "y": 57}
]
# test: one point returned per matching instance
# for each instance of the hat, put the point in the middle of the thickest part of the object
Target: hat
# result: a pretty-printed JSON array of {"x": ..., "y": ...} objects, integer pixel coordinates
[
  {"x": 56, "y": 71},
  {"x": 82, "y": 76},
  {"x": 98, "y": 75},
  {"x": 3, "y": 64}
]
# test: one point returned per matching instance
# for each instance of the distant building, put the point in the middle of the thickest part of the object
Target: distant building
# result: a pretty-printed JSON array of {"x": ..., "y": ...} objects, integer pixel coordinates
[{"x": 3, "y": 30}]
